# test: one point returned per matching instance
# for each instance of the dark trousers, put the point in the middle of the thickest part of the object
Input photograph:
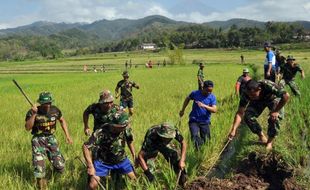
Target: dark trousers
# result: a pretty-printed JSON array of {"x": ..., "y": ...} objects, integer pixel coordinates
[{"x": 199, "y": 133}]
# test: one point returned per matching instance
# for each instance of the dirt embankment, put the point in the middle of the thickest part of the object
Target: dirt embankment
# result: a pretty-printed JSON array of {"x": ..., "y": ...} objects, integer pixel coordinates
[{"x": 256, "y": 172}]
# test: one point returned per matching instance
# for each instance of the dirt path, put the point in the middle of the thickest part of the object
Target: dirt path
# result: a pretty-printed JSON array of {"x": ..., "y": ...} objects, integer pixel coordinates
[{"x": 255, "y": 172}]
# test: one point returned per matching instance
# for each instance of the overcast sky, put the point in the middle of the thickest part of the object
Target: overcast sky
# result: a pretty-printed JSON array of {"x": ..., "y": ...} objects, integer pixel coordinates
[{"x": 15, "y": 13}]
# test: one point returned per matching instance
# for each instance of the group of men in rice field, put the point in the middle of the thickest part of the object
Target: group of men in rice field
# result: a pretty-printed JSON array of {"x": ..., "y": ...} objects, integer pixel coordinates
[{"x": 104, "y": 151}]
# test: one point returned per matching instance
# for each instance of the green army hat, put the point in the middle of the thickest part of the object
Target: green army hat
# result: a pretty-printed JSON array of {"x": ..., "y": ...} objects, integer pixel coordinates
[
  {"x": 105, "y": 96},
  {"x": 120, "y": 122},
  {"x": 245, "y": 70},
  {"x": 290, "y": 57},
  {"x": 166, "y": 130},
  {"x": 45, "y": 97},
  {"x": 125, "y": 74}
]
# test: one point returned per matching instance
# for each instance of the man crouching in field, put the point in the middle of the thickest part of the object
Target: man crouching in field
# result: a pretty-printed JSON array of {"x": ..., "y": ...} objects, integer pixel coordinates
[
  {"x": 105, "y": 150},
  {"x": 41, "y": 121},
  {"x": 158, "y": 139},
  {"x": 258, "y": 96}
]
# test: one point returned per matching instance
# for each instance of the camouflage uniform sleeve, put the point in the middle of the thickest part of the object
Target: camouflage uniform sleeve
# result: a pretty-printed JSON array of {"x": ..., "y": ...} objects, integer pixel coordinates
[
  {"x": 178, "y": 136},
  {"x": 147, "y": 140},
  {"x": 299, "y": 68},
  {"x": 134, "y": 84},
  {"x": 129, "y": 135},
  {"x": 274, "y": 88},
  {"x": 28, "y": 115},
  {"x": 93, "y": 139},
  {"x": 119, "y": 84},
  {"x": 59, "y": 113},
  {"x": 90, "y": 109}
]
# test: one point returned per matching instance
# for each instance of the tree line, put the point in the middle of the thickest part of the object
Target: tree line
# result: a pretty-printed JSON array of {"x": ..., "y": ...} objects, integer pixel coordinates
[{"x": 190, "y": 36}]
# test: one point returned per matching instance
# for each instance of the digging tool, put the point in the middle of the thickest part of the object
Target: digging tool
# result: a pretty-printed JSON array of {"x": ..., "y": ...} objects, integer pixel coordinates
[
  {"x": 218, "y": 157},
  {"x": 21, "y": 90},
  {"x": 100, "y": 184},
  {"x": 178, "y": 179}
]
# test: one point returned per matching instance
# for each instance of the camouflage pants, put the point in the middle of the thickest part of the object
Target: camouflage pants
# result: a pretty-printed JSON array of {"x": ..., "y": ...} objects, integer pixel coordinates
[
  {"x": 170, "y": 154},
  {"x": 254, "y": 110},
  {"x": 292, "y": 84},
  {"x": 42, "y": 147}
]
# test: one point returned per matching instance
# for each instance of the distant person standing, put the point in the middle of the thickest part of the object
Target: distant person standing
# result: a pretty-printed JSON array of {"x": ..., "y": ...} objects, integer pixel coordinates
[
  {"x": 204, "y": 103},
  {"x": 126, "y": 86},
  {"x": 200, "y": 76},
  {"x": 164, "y": 63},
  {"x": 240, "y": 84},
  {"x": 126, "y": 65},
  {"x": 289, "y": 71},
  {"x": 270, "y": 63},
  {"x": 242, "y": 59}
]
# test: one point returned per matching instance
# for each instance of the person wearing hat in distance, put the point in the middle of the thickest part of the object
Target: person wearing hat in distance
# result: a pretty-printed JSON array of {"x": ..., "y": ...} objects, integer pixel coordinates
[
  {"x": 41, "y": 120},
  {"x": 280, "y": 62},
  {"x": 289, "y": 72},
  {"x": 259, "y": 95},
  {"x": 157, "y": 139},
  {"x": 200, "y": 76},
  {"x": 204, "y": 103},
  {"x": 104, "y": 151},
  {"x": 270, "y": 63},
  {"x": 126, "y": 86},
  {"x": 240, "y": 84},
  {"x": 103, "y": 111}
]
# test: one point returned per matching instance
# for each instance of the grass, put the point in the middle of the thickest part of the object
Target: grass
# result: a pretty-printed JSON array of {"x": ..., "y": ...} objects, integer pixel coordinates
[{"x": 160, "y": 97}]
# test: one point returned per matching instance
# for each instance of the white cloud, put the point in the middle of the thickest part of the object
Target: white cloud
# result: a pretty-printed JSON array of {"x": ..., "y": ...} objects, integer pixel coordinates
[{"x": 191, "y": 11}]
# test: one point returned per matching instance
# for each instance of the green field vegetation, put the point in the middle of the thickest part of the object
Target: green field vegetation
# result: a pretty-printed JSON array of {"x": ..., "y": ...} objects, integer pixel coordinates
[{"x": 160, "y": 97}]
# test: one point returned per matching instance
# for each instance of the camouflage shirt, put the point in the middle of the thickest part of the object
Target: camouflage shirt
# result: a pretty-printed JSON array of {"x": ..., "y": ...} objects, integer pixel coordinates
[
  {"x": 289, "y": 72},
  {"x": 153, "y": 142},
  {"x": 200, "y": 74},
  {"x": 109, "y": 147},
  {"x": 45, "y": 123},
  {"x": 269, "y": 92},
  {"x": 126, "y": 88},
  {"x": 100, "y": 117}
]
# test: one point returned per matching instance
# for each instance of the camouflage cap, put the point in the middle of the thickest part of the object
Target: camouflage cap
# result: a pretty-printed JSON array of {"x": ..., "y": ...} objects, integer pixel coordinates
[
  {"x": 245, "y": 70},
  {"x": 290, "y": 57},
  {"x": 201, "y": 64},
  {"x": 105, "y": 96},
  {"x": 208, "y": 83},
  {"x": 45, "y": 97},
  {"x": 166, "y": 130},
  {"x": 120, "y": 122},
  {"x": 125, "y": 74}
]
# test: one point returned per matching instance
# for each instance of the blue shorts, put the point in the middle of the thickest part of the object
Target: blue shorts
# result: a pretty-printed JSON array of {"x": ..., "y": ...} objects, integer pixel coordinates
[
  {"x": 103, "y": 169},
  {"x": 126, "y": 103}
]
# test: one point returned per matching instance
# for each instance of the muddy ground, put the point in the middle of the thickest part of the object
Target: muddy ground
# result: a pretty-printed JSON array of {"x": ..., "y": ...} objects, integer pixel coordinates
[{"x": 255, "y": 172}]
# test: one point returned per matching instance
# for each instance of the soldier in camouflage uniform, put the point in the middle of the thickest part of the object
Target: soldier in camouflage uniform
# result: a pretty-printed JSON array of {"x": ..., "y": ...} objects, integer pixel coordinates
[
  {"x": 41, "y": 121},
  {"x": 289, "y": 71},
  {"x": 258, "y": 96},
  {"x": 103, "y": 111},
  {"x": 105, "y": 150},
  {"x": 126, "y": 86},
  {"x": 158, "y": 139},
  {"x": 200, "y": 76}
]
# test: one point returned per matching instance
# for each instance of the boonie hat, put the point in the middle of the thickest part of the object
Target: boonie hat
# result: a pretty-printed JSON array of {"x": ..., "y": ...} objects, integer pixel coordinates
[
  {"x": 290, "y": 57},
  {"x": 45, "y": 97},
  {"x": 105, "y": 96},
  {"x": 166, "y": 130},
  {"x": 125, "y": 74},
  {"x": 245, "y": 70}
]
